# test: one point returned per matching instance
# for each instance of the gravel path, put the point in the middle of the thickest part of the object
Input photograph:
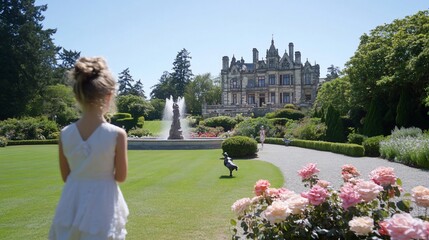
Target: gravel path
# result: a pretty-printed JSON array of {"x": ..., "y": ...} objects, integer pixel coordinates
[{"x": 291, "y": 159}]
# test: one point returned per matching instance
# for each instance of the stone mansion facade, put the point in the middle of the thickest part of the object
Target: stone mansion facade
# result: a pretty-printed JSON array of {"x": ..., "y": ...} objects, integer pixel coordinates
[{"x": 265, "y": 85}]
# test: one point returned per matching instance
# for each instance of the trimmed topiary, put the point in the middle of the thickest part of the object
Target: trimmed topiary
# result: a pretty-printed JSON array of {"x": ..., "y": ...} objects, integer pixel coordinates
[
  {"x": 226, "y": 122},
  {"x": 286, "y": 113},
  {"x": 372, "y": 146},
  {"x": 356, "y": 138},
  {"x": 240, "y": 146}
]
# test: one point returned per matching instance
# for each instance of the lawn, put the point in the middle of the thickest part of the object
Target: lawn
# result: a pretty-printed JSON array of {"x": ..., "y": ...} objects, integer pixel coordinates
[
  {"x": 155, "y": 127},
  {"x": 181, "y": 194}
]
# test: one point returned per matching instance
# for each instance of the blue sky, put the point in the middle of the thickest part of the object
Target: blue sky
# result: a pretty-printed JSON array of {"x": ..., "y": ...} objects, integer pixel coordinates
[{"x": 145, "y": 36}]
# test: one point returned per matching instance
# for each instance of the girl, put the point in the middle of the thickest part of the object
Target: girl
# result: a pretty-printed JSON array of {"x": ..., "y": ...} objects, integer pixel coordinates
[
  {"x": 262, "y": 136},
  {"x": 93, "y": 158}
]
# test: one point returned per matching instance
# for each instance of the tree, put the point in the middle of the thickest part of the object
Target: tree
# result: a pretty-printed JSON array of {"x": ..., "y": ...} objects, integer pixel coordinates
[
  {"x": 125, "y": 82},
  {"x": 335, "y": 128},
  {"x": 27, "y": 55},
  {"x": 158, "y": 109},
  {"x": 373, "y": 124},
  {"x": 137, "y": 89},
  {"x": 164, "y": 89},
  {"x": 67, "y": 59},
  {"x": 135, "y": 105},
  {"x": 392, "y": 58},
  {"x": 198, "y": 92},
  {"x": 335, "y": 93},
  {"x": 333, "y": 72},
  {"x": 182, "y": 74}
]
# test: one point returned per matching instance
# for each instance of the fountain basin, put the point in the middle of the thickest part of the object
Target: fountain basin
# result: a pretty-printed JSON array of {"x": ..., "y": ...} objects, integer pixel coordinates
[{"x": 174, "y": 144}]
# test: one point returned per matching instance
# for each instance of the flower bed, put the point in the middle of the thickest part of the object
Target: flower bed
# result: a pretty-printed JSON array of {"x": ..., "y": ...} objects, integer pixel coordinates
[{"x": 360, "y": 209}]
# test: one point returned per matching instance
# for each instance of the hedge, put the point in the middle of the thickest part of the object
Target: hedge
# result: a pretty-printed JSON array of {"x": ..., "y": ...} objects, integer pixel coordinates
[
  {"x": 353, "y": 150},
  {"x": 32, "y": 142},
  {"x": 276, "y": 141},
  {"x": 240, "y": 146}
]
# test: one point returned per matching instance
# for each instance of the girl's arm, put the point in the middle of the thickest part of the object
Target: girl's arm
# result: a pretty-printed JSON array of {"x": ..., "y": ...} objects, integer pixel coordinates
[
  {"x": 64, "y": 165},
  {"x": 121, "y": 158}
]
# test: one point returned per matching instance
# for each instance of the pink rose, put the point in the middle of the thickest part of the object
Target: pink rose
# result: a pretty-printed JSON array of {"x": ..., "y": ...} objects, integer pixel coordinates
[
  {"x": 383, "y": 176},
  {"x": 277, "y": 212},
  {"x": 275, "y": 192},
  {"x": 308, "y": 171},
  {"x": 323, "y": 183},
  {"x": 383, "y": 230},
  {"x": 368, "y": 190},
  {"x": 420, "y": 196},
  {"x": 297, "y": 204},
  {"x": 240, "y": 206},
  {"x": 316, "y": 195},
  {"x": 349, "y": 195},
  {"x": 285, "y": 195},
  {"x": 348, "y": 172},
  {"x": 361, "y": 226},
  {"x": 261, "y": 186},
  {"x": 403, "y": 226}
]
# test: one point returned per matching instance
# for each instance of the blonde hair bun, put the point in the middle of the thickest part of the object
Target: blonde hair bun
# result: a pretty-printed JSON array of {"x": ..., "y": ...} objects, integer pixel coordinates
[{"x": 88, "y": 68}]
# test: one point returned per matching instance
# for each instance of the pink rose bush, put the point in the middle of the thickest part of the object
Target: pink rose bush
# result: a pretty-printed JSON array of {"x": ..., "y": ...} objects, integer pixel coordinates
[{"x": 360, "y": 209}]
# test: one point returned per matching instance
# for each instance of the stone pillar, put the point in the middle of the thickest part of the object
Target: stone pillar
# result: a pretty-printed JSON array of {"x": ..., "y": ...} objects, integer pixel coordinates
[{"x": 291, "y": 52}]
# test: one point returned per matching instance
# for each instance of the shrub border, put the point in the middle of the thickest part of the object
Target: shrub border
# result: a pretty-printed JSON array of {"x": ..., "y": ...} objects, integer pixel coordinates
[
  {"x": 349, "y": 149},
  {"x": 31, "y": 142}
]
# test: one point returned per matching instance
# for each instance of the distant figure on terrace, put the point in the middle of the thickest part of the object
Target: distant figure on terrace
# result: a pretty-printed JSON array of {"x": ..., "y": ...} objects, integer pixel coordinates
[{"x": 262, "y": 136}]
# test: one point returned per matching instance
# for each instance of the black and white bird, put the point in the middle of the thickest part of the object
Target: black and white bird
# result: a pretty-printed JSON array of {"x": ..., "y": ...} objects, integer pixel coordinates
[{"x": 227, "y": 161}]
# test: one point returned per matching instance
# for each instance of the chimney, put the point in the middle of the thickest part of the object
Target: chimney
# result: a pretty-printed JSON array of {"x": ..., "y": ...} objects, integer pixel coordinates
[
  {"x": 298, "y": 57},
  {"x": 225, "y": 63},
  {"x": 291, "y": 52},
  {"x": 255, "y": 55}
]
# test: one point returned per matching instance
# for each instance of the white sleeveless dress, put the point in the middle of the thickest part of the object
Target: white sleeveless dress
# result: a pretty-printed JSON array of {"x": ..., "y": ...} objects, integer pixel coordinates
[{"x": 91, "y": 206}]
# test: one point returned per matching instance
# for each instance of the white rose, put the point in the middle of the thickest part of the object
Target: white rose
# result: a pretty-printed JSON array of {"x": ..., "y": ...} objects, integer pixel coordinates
[{"x": 361, "y": 226}]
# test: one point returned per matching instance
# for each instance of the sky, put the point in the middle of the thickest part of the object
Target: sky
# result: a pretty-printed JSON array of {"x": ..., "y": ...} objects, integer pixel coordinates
[{"x": 145, "y": 36}]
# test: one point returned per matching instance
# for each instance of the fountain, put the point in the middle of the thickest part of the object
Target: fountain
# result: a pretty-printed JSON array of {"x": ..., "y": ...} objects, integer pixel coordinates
[{"x": 174, "y": 134}]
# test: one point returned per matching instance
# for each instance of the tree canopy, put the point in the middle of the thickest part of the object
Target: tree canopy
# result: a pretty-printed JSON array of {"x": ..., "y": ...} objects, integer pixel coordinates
[
  {"x": 27, "y": 55},
  {"x": 390, "y": 59}
]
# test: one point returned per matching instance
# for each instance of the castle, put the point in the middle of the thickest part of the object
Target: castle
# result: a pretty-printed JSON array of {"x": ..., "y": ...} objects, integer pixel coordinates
[{"x": 265, "y": 85}]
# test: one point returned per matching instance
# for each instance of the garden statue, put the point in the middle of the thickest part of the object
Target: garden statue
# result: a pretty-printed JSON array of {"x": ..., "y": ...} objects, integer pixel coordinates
[
  {"x": 227, "y": 161},
  {"x": 175, "y": 130}
]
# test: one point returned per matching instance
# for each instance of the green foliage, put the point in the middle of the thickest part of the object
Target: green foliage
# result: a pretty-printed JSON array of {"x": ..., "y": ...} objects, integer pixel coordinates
[
  {"x": 373, "y": 124},
  {"x": 306, "y": 129},
  {"x": 279, "y": 121},
  {"x": 251, "y": 126},
  {"x": 135, "y": 105},
  {"x": 126, "y": 123},
  {"x": 127, "y": 85},
  {"x": 408, "y": 146},
  {"x": 335, "y": 127},
  {"x": 27, "y": 56},
  {"x": 3, "y": 141},
  {"x": 164, "y": 89},
  {"x": 372, "y": 146},
  {"x": 286, "y": 113},
  {"x": 32, "y": 142},
  {"x": 356, "y": 138},
  {"x": 276, "y": 141},
  {"x": 353, "y": 150},
  {"x": 226, "y": 122},
  {"x": 391, "y": 58},
  {"x": 402, "y": 132},
  {"x": 201, "y": 90},
  {"x": 158, "y": 109},
  {"x": 140, "y": 122},
  {"x": 139, "y": 132},
  {"x": 57, "y": 102},
  {"x": 404, "y": 111},
  {"x": 334, "y": 93},
  {"x": 182, "y": 73},
  {"x": 27, "y": 128},
  {"x": 240, "y": 146},
  {"x": 290, "y": 106}
]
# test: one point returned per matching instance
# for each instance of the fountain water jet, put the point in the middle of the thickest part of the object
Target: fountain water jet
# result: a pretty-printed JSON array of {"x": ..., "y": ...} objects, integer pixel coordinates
[{"x": 180, "y": 127}]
